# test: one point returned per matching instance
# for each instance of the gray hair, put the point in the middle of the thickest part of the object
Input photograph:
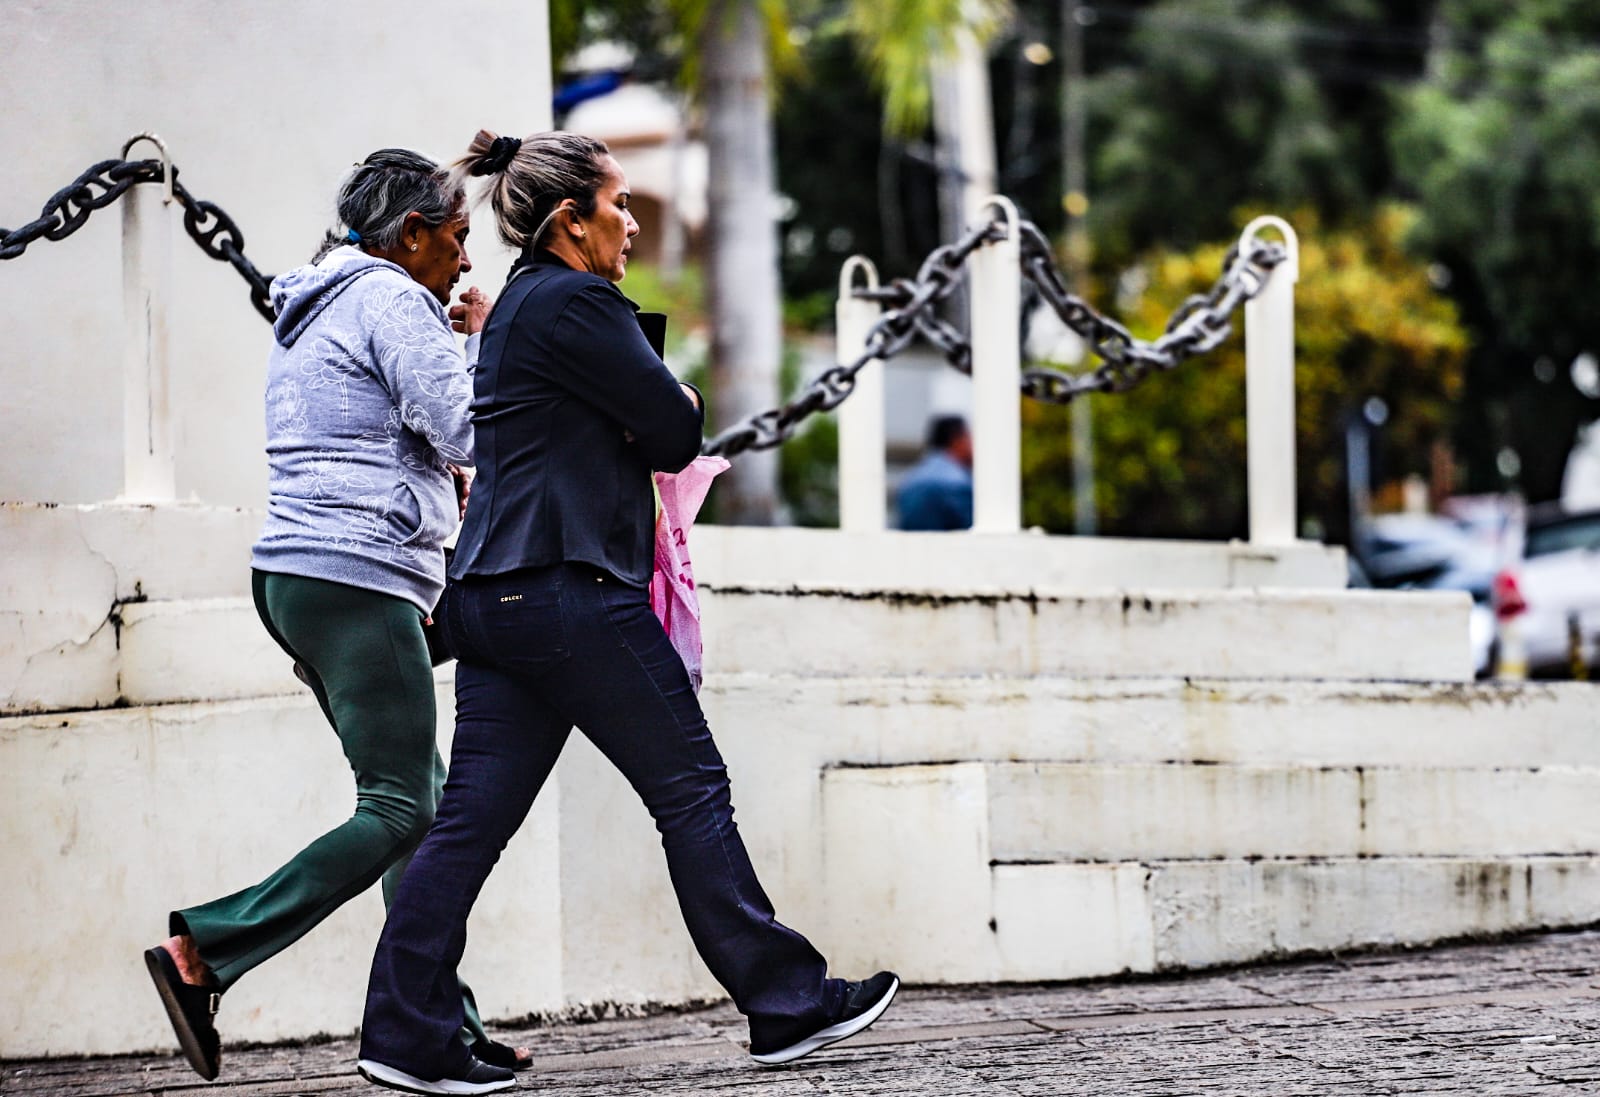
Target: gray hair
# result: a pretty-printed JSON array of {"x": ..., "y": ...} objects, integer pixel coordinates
[
  {"x": 385, "y": 188},
  {"x": 529, "y": 185}
]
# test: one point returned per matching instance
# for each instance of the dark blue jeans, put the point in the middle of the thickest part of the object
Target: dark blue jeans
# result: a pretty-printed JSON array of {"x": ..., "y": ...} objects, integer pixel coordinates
[{"x": 539, "y": 652}]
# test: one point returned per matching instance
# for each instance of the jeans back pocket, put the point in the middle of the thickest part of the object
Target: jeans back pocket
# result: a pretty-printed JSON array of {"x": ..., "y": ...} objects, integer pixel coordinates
[{"x": 516, "y": 620}]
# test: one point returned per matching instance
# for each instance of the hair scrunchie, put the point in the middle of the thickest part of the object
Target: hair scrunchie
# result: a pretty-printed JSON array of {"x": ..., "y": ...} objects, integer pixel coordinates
[{"x": 501, "y": 150}]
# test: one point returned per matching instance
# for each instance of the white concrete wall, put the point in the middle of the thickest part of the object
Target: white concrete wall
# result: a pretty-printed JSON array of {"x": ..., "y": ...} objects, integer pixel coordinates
[
  {"x": 1006, "y": 783},
  {"x": 264, "y": 107}
]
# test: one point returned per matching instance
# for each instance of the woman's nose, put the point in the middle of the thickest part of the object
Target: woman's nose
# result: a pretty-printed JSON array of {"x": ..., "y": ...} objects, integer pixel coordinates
[{"x": 466, "y": 264}]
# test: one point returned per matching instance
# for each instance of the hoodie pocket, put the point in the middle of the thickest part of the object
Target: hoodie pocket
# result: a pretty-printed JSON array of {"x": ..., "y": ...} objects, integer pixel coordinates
[
  {"x": 405, "y": 514},
  {"x": 420, "y": 516}
]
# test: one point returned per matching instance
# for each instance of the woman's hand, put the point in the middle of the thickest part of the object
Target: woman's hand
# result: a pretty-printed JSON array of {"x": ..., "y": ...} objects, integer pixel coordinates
[
  {"x": 469, "y": 316},
  {"x": 463, "y": 478}
]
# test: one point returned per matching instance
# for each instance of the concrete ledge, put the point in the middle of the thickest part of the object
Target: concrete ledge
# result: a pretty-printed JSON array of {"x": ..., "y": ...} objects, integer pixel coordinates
[
  {"x": 963, "y": 562},
  {"x": 1411, "y": 636},
  {"x": 82, "y": 558},
  {"x": 116, "y": 816},
  {"x": 883, "y": 721},
  {"x": 1094, "y": 812},
  {"x": 1043, "y": 922},
  {"x": 113, "y": 818},
  {"x": 68, "y": 573},
  {"x": 190, "y": 550},
  {"x": 212, "y": 649},
  {"x": 205, "y": 649},
  {"x": 1156, "y": 867}
]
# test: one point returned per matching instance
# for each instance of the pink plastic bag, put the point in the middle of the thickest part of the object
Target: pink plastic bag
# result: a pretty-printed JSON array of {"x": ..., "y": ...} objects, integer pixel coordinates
[{"x": 672, "y": 594}]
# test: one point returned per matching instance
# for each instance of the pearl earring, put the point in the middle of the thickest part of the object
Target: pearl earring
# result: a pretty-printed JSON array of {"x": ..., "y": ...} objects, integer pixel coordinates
[{"x": 413, "y": 247}]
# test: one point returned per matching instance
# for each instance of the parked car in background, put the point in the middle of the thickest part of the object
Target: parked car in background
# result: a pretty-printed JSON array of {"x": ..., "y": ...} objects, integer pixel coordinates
[
  {"x": 1431, "y": 552},
  {"x": 1548, "y": 599}
]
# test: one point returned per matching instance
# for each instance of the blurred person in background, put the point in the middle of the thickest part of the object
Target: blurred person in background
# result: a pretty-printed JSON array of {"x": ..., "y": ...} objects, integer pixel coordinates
[{"x": 936, "y": 494}]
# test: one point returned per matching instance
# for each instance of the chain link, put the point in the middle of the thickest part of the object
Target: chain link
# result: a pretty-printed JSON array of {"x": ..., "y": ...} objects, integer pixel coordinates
[
  {"x": 911, "y": 311},
  {"x": 206, "y": 222},
  {"x": 1199, "y": 325}
]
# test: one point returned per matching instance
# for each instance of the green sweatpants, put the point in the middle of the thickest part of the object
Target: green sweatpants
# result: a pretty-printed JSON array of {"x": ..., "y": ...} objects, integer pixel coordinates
[{"x": 367, "y": 662}]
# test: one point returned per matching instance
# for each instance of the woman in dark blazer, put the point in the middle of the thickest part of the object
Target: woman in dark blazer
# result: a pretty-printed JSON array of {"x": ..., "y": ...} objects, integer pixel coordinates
[{"x": 548, "y": 614}]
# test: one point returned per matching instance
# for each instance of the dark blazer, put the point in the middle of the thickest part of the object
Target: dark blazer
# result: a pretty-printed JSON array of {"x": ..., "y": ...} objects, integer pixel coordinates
[{"x": 572, "y": 411}]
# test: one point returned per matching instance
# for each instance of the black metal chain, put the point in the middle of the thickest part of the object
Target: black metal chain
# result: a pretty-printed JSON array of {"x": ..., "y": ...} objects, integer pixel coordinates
[
  {"x": 206, "y": 222},
  {"x": 1199, "y": 325},
  {"x": 912, "y": 313}
]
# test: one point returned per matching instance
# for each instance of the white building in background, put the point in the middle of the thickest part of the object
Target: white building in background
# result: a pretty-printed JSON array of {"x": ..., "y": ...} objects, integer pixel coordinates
[{"x": 263, "y": 106}]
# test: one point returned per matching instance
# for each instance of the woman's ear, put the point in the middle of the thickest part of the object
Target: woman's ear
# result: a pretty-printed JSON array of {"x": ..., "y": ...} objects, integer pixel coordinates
[
  {"x": 411, "y": 231},
  {"x": 574, "y": 220}
]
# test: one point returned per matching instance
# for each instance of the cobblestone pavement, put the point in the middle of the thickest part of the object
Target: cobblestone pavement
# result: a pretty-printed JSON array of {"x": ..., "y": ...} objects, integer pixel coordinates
[{"x": 1512, "y": 1017}]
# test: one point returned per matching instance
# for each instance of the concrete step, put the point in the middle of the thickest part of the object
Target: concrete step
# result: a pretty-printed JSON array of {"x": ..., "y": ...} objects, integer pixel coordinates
[
  {"x": 116, "y": 816},
  {"x": 1310, "y": 634},
  {"x": 749, "y": 556},
  {"x": 207, "y": 649},
  {"x": 1045, "y": 812},
  {"x": 937, "y": 918},
  {"x": 69, "y": 573},
  {"x": 82, "y": 558},
  {"x": 988, "y": 867}
]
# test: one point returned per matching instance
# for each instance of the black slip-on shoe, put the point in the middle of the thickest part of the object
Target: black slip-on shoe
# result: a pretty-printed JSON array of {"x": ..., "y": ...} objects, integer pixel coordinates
[
  {"x": 190, "y": 1008},
  {"x": 864, "y": 1003},
  {"x": 500, "y": 1055},
  {"x": 476, "y": 1077}
]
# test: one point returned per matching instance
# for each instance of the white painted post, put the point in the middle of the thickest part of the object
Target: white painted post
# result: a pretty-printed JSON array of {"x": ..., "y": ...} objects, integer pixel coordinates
[
  {"x": 1269, "y": 393},
  {"x": 862, "y": 477},
  {"x": 997, "y": 378},
  {"x": 148, "y": 468}
]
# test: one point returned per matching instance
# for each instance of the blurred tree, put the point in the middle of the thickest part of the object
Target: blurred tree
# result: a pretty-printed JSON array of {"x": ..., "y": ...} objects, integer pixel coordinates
[
  {"x": 1223, "y": 103},
  {"x": 1501, "y": 144},
  {"x": 1171, "y": 453}
]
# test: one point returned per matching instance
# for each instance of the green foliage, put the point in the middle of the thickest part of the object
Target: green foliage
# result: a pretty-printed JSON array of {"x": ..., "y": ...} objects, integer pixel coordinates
[
  {"x": 1501, "y": 143},
  {"x": 1170, "y": 455},
  {"x": 898, "y": 40},
  {"x": 682, "y": 298},
  {"x": 1223, "y": 103},
  {"x": 808, "y": 473}
]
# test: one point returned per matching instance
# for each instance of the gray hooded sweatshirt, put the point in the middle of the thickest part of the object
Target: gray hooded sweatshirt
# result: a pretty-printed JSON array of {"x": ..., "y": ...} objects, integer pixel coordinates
[{"x": 368, "y": 399}]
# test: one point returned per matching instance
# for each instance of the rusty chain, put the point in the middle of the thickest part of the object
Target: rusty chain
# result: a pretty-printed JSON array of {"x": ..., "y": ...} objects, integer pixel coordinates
[
  {"x": 1199, "y": 325},
  {"x": 206, "y": 222}
]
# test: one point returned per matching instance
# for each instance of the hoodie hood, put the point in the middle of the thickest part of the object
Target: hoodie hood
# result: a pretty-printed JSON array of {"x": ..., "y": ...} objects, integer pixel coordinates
[{"x": 300, "y": 295}]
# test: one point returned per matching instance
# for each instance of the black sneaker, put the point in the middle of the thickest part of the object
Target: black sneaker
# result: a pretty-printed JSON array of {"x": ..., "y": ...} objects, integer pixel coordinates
[
  {"x": 864, "y": 1003},
  {"x": 477, "y": 1077}
]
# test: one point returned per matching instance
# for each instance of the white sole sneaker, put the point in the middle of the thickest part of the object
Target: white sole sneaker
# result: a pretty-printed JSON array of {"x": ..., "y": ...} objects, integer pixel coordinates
[
  {"x": 830, "y": 1035},
  {"x": 382, "y": 1074}
]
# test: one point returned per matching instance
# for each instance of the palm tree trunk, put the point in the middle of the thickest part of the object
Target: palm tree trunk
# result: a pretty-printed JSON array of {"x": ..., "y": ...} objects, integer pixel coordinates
[{"x": 743, "y": 283}]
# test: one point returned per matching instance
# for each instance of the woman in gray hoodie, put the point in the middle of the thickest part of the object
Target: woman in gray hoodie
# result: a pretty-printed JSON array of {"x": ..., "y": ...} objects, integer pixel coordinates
[{"x": 368, "y": 434}]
